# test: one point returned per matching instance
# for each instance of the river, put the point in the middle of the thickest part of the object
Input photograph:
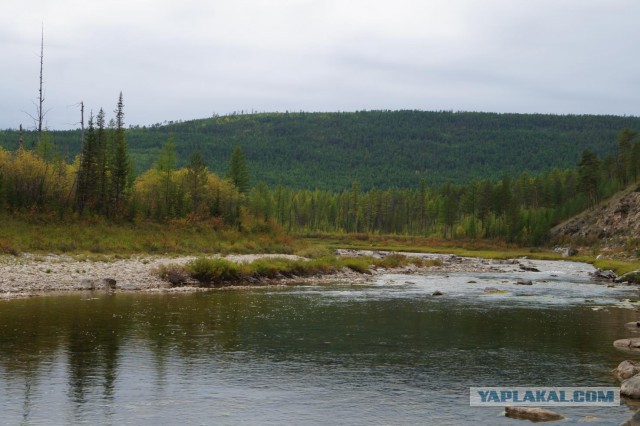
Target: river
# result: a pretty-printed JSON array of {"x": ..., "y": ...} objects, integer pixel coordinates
[{"x": 384, "y": 353}]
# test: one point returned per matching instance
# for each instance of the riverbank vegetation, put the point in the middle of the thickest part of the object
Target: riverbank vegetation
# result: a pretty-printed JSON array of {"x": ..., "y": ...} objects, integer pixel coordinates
[
  {"x": 36, "y": 187},
  {"x": 218, "y": 271},
  {"x": 97, "y": 204}
]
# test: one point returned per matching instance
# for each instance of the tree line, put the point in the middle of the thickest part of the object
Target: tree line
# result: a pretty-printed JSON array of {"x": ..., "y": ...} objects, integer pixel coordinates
[
  {"x": 377, "y": 149},
  {"x": 99, "y": 182}
]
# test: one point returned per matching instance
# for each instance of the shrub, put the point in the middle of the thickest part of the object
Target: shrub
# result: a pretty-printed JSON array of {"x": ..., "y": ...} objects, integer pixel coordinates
[
  {"x": 314, "y": 251},
  {"x": 357, "y": 264},
  {"x": 213, "y": 271},
  {"x": 432, "y": 262},
  {"x": 266, "y": 268},
  {"x": 7, "y": 247},
  {"x": 175, "y": 274},
  {"x": 393, "y": 260}
]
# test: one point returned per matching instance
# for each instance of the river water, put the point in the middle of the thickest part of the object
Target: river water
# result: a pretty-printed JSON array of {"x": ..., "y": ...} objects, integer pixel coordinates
[{"x": 384, "y": 353}]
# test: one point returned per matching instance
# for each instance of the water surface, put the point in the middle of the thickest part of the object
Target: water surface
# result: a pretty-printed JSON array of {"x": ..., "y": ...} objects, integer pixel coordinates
[{"x": 385, "y": 353}]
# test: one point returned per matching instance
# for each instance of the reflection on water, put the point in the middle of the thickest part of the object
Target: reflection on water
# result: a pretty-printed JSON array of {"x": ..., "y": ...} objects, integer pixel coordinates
[{"x": 384, "y": 353}]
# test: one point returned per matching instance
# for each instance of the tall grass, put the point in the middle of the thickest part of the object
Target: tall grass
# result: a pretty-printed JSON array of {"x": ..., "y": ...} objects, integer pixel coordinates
[
  {"x": 217, "y": 271},
  {"x": 39, "y": 235}
]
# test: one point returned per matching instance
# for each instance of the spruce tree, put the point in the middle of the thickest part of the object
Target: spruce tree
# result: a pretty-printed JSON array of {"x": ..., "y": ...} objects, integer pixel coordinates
[
  {"x": 120, "y": 163},
  {"x": 589, "y": 175},
  {"x": 238, "y": 171},
  {"x": 102, "y": 185},
  {"x": 166, "y": 165},
  {"x": 625, "y": 159},
  {"x": 196, "y": 179},
  {"x": 87, "y": 173}
]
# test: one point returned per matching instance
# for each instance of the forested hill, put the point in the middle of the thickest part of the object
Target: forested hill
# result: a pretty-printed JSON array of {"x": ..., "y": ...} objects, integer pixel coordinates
[{"x": 374, "y": 148}]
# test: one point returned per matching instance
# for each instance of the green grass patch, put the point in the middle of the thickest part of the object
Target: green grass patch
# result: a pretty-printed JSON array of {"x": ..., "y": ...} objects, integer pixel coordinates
[
  {"x": 213, "y": 270},
  {"x": 357, "y": 264},
  {"x": 219, "y": 271},
  {"x": 393, "y": 260},
  {"x": 97, "y": 237},
  {"x": 618, "y": 266}
]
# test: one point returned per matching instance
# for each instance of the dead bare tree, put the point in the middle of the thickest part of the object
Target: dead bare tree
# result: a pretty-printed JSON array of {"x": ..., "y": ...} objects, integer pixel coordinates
[
  {"x": 40, "y": 94},
  {"x": 40, "y": 112}
]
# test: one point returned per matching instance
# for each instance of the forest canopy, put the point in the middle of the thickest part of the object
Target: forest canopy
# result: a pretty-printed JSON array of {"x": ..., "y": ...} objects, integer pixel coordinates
[{"x": 377, "y": 149}]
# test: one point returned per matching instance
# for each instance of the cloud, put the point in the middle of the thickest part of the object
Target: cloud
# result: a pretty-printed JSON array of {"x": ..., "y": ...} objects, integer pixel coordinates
[{"x": 187, "y": 59}]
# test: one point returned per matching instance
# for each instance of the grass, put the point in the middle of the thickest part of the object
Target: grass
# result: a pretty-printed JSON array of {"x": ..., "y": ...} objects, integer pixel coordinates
[
  {"x": 485, "y": 249},
  {"x": 100, "y": 237},
  {"x": 618, "y": 266},
  {"x": 99, "y": 240},
  {"x": 218, "y": 271}
]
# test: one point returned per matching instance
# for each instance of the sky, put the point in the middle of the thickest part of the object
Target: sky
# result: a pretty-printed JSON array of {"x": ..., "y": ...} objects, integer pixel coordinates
[{"x": 189, "y": 59}]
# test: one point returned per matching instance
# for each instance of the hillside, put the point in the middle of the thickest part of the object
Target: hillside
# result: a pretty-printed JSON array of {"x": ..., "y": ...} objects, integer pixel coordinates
[
  {"x": 614, "y": 224},
  {"x": 375, "y": 148}
]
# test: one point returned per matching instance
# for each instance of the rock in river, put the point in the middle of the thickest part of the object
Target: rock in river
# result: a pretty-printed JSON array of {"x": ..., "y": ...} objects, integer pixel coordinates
[
  {"x": 532, "y": 413},
  {"x": 524, "y": 282},
  {"x": 529, "y": 268},
  {"x": 633, "y": 421},
  {"x": 631, "y": 344},
  {"x": 600, "y": 275},
  {"x": 631, "y": 387},
  {"x": 626, "y": 369}
]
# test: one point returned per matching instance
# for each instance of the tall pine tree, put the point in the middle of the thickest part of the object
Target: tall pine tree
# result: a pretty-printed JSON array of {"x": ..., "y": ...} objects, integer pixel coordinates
[
  {"x": 238, "y": 171},
  {"x": 120, "y": 161}
]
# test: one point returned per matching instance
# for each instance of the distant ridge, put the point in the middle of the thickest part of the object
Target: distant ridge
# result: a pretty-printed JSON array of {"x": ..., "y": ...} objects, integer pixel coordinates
[{"x": 374, "y": 148}]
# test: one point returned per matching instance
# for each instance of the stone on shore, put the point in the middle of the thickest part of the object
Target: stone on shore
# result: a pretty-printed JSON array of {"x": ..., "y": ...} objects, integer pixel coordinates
[
  {"x": 631, "y": 387},
  {"x": 532, "y": 413},
  {"x": 86, "y": 284},
  {"x": 108, "y": 283},
  {"x": 569, "y": 252},
  {"x": 626, "y": 369},
  {"x": 99, "y": 283}
]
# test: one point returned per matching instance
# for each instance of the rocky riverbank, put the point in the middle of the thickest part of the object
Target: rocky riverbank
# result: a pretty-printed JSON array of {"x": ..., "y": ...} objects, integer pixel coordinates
[{"x": 29, "y": 274}]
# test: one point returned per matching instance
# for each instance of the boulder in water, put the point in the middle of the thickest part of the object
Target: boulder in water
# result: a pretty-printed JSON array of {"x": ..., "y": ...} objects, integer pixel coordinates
[
  {"x": 600, "y": 275},
  {"x": 631, "y": 387},
  {"x": 532, "y": 413},
  {"x": 529, "y": 268},
  {"x": 633, "y": 421},
  {"x": 626, "y": 369},
  {"x": 631, "y": 344}
]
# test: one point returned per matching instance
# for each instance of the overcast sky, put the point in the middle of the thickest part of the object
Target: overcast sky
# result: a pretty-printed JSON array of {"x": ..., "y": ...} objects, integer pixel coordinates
[{"x": 187, "y": 59}]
